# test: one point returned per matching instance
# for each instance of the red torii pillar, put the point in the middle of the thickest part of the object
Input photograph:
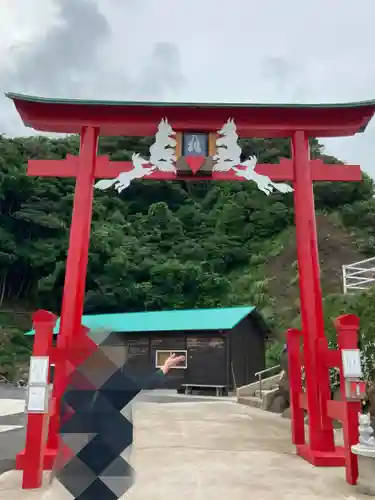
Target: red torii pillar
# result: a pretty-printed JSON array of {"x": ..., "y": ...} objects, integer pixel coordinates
[
  {"x": 300, "y": 170},
  {"x": 75, "y": 274}
]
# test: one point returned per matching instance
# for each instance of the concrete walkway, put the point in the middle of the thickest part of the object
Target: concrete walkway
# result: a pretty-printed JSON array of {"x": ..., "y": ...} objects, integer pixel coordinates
[{"x": 209, "y": 450}]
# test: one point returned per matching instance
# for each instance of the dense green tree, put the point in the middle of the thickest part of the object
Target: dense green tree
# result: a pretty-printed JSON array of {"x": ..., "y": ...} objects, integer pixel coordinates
[
  {"x": 158, "y": 244},
  {"x": 150, "y": 226}
]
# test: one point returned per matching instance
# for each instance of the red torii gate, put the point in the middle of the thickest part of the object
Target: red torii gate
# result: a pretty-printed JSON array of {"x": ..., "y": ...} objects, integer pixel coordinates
[{"x": 299, "y": 122}]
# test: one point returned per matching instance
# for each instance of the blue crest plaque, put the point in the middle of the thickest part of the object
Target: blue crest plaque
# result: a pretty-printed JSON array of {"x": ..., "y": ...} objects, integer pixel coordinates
[{"x": 195, "y": 144}]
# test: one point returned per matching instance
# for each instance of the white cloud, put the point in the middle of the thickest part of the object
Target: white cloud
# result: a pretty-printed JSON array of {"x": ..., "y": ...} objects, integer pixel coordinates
[{"x": 196, "y": 50}]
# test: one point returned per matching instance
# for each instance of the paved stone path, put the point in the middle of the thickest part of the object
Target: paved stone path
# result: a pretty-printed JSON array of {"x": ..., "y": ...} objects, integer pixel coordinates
[
  {"x": 13, "y": 419},
  {"x": 205, "y": 450}
]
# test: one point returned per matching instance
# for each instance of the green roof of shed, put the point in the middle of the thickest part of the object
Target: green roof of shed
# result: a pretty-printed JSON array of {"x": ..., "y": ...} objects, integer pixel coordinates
[{"x": 166, "y": 321}]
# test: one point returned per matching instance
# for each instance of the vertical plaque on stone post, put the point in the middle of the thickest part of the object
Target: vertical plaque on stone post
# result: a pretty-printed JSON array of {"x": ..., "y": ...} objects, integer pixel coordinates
[
  {"x": 351, "y": 363},
  {"x": 38, "y": 391}
]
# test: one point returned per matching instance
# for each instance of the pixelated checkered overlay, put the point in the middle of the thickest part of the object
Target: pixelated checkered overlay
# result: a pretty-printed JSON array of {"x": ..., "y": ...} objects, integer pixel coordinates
[{"x": 96, "y": 431}]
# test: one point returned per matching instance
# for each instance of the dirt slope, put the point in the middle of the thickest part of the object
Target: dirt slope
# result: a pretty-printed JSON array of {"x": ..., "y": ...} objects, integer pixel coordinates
[{"x": 336, "y": 248}]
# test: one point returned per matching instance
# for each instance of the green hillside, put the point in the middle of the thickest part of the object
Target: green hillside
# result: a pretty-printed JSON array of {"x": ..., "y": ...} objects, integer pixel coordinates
[{"x": 164, "y": 245}]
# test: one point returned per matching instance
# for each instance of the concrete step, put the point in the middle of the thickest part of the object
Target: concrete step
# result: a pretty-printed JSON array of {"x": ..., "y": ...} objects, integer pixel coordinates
[
  {"x": 263, "y": 393},
  {"x": 267, "y": 383},
  {"x": 252, "y": 401}
]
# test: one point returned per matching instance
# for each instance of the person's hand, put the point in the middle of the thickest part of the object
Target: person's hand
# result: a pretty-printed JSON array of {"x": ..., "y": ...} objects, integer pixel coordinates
[{"x": 171, "y": 362}]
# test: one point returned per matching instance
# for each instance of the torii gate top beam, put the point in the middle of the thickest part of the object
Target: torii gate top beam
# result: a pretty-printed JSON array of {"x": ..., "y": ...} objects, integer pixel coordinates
[{"x": 141, "y": 118}]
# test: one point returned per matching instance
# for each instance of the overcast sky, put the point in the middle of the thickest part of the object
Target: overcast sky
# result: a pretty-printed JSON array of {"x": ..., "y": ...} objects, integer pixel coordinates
[{"x": 309, "y": 51}]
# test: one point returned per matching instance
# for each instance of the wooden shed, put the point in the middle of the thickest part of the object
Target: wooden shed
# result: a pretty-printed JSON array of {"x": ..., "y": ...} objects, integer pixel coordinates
[{"x": 224, "y": 347}]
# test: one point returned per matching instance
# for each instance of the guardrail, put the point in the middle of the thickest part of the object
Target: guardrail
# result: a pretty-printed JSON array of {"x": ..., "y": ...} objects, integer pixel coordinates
[
  {"x": 359, "y": 275},
  {"x": 262, "y": 372}
]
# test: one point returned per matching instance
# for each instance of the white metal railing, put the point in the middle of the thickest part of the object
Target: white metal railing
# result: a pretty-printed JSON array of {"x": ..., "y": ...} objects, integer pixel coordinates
[
  {"x": 262, "y": 372},
  {"x": 359, "y": 275}
]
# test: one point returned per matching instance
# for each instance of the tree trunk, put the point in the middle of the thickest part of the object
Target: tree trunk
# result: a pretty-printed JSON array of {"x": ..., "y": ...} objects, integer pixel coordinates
[{"x": 3, "y": 287}]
